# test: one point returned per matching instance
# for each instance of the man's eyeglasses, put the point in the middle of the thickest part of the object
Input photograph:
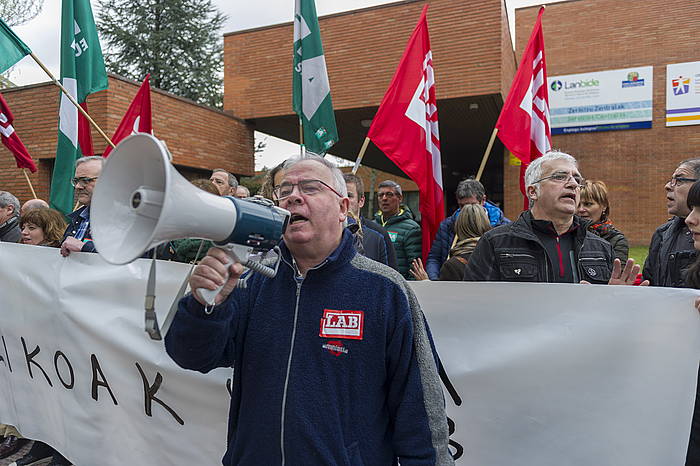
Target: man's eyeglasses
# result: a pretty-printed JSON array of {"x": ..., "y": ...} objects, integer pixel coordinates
[
  {"x": 84, "y": 180},
  {"x": 307, "y": 187},
  {"x": 676, "y": 180},
  {"x": 388, "y": 194},
  {"x": 563, "y": 177}
]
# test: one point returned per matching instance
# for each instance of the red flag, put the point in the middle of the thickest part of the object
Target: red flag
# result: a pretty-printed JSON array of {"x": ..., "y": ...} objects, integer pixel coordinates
[
  {"x": 11, "y": 140},
  {"x": 137, "y": 118},
  {"x": 405, "y": 127},
  {"x": 523, "y": 125},
  {"x": 85, "y": 133}
]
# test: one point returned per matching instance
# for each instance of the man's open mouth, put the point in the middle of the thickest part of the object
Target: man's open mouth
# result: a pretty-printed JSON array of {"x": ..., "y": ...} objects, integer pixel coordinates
[{"x": 297, "y": 218}]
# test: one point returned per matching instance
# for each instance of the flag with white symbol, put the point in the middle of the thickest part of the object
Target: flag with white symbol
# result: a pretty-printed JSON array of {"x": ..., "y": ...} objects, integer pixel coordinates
[
  {"x": 82, "y": 73},
  {"x": 137, "y": 118},
  {"x": 11, "y": 140},
  {"x": 405, "y": 128},
  {"x": 523, "y": 125},
  {"x": 312, "y": 90}
]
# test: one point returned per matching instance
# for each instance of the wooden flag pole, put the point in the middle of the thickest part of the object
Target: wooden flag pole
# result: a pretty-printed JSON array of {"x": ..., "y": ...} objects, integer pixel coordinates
[
  {"x": 360, "y": 155},
  {"x": 24, "y": 170},
  {"x": 70, "y": 97},
  {"x": 486, "y": 154},
  {"x": 302, "y": 151}
]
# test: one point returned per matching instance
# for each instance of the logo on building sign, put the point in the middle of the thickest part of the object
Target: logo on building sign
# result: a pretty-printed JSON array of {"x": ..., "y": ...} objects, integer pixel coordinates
[
  {"x": 335, "y": 347},
  {"x": 342, "y": 324},
  {"x": 680, "y": 85},
  {"x": 633, "y": 80},
  {"x": 556, "y": 85}
]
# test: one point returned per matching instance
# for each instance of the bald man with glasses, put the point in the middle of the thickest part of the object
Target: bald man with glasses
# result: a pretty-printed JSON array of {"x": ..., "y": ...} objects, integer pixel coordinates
[
  {"x": 77, "y": 236},
  {"x": 548, "y": 242}
]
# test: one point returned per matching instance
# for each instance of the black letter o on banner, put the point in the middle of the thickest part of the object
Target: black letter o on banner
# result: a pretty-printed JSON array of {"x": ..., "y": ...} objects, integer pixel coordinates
[{"x": 58, "y": 373}]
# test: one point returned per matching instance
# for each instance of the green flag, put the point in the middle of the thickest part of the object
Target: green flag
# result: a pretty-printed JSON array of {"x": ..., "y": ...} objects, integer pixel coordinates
[
  {"x": 12, "y": 49},
  {"x": 312, "y": 91},
  {"x": 82, "y": 73}
]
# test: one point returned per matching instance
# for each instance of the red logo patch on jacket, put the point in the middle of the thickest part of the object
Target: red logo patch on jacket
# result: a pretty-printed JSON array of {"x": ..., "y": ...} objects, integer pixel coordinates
[{"x": 342, "y": 324}]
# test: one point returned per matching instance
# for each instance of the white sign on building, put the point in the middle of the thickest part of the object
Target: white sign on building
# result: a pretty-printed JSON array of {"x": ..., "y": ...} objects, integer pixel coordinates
[
  {"x": 683, "y": 94},
  {"x": 601, "y": 101}
]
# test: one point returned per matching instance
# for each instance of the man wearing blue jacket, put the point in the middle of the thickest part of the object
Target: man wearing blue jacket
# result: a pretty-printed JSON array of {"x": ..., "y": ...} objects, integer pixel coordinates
[
  {"x": 469, "y": 191},
  {"x": 333, "y": 359}
]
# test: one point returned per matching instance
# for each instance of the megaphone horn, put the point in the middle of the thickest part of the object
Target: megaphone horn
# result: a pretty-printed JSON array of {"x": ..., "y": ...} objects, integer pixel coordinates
[{"x": 140, "y": 201}]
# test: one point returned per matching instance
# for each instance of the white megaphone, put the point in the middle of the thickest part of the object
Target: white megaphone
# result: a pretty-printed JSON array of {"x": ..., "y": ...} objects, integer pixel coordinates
[{"x": 141, "y": 201}]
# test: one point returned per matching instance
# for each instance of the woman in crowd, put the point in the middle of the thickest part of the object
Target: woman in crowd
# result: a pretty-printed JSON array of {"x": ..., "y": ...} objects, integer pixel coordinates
[
  {"x": 692, "y": 279},
  {"x": 472, "y": 222},
  {"x": 42, "y": 227},
  {"x": 594, "y": 206}
]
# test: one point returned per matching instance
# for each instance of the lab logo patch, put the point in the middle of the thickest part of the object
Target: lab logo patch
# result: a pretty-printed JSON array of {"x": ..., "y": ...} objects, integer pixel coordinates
[
  {"x": 342, "y": 324},
  {"x": 335, "y": 347}
]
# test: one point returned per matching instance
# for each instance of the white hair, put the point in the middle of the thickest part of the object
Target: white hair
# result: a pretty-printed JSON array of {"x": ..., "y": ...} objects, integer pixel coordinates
[
  {"x": 534, "y": 170},
  {"x": 90, "y": 158},
  {"x": 338, "y": 180}
]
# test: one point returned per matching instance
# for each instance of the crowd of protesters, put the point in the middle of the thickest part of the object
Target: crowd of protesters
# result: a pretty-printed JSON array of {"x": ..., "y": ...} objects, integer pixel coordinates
[{"x": 566, "y": 236}]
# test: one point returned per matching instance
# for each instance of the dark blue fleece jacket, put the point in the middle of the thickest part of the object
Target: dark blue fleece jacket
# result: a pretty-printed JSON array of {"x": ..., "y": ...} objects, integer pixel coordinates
[{"x": 311, "y": 387}]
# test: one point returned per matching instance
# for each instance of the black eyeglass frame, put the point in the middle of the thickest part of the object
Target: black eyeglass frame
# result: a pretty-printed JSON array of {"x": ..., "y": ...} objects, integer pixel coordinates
[
  {"x": 299, "y": 184},
  {"x": 673, "y": 182},
  {"x": 83, "y": 179},
  {"x": 558, "y": 177}
]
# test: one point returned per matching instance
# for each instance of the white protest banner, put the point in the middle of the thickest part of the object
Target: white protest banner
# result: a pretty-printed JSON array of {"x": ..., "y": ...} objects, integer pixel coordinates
[
  {"x": 683, "y": 94},
  {"x": 549, "y": 374},
  {"x": 601, "y": 101}
]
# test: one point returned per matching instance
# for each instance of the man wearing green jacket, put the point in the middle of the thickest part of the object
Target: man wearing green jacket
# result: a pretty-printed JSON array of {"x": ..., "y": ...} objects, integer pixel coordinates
[{"x": 398, "y": 221}]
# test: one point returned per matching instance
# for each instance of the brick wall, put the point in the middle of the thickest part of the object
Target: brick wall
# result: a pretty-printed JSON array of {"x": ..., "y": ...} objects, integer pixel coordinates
[
  {"x": 362, "y": 50},
  {"x": 597, "y": 35},
  {"x": 200, "y": 138}
]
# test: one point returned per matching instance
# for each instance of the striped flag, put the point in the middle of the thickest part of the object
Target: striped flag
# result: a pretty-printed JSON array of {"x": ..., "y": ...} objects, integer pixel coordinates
[
  {"x": 12, "y": 49},
  {"x": 82, "y": 73},
  {"x": 524, "y": 124},
  {"x": 405, "y": 128},
  {"x": 311, "y": 98}
]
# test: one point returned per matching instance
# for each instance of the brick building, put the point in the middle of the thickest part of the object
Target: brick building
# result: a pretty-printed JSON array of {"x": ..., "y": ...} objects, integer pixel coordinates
[
  {"x": 200, "y": 138},
  {"x": 472, "y": 57},
  {"x": 597, "y": 35}
]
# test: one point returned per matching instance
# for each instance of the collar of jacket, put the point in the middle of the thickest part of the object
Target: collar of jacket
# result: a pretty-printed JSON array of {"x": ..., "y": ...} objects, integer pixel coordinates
[
  {"x": 76, "y": 214},
  {"x": 9, "y": 223},
  {"x": 339, "y": 257},
  {"x": 524, "y": 227}
]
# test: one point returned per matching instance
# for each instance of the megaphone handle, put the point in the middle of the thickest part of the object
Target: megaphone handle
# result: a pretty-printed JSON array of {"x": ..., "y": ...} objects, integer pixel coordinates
[{"x": 236, "y": 253}]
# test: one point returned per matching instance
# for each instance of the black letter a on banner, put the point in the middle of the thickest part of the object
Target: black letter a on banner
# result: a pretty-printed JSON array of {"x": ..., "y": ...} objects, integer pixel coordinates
[{"x": 99, "y": 383}]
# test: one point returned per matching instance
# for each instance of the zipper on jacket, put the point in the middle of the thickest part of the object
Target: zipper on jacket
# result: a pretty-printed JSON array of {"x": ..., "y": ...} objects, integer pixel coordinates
[
  {"x": 289, "y": 366},
  {"x": 507, "y": 255}
]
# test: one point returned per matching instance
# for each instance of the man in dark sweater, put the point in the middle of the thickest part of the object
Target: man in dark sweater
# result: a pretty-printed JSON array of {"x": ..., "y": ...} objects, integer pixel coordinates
[
  {"x": 548, "y": 243},
  {"x": 398, "y": 221},
  {"x": 332, "y": 357},
  {"x": 9, "y": 218},
  {"x": 356, "y": 195}
]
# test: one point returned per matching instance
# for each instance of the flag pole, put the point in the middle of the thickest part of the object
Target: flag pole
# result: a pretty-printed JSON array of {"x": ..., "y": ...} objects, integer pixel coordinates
[
  {"x": 70, "y": 97},
  {"x": 360, "y": 155},
  {"x": 24, "y": 170},
  {"x": 486, "y": 154},
  {"x": 302, "y": 152}
]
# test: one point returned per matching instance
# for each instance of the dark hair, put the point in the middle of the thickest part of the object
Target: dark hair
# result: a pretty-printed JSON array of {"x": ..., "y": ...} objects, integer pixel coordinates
[
  {"x": 694, "y": 165},
  {"x": 50, "y": 221},
  {"x": 692, "y": 278},
  {"x": 206, "y": 185},
  {"x": 470, "y": 187},
  {"x": 359, "y": 185},
  {"x": 268, "y": 184},
  {"x": 393, "y": 185}
]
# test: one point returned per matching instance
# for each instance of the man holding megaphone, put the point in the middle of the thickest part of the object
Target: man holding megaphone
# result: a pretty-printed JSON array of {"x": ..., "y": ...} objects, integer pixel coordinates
[{"x": 332, "y": 357}]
